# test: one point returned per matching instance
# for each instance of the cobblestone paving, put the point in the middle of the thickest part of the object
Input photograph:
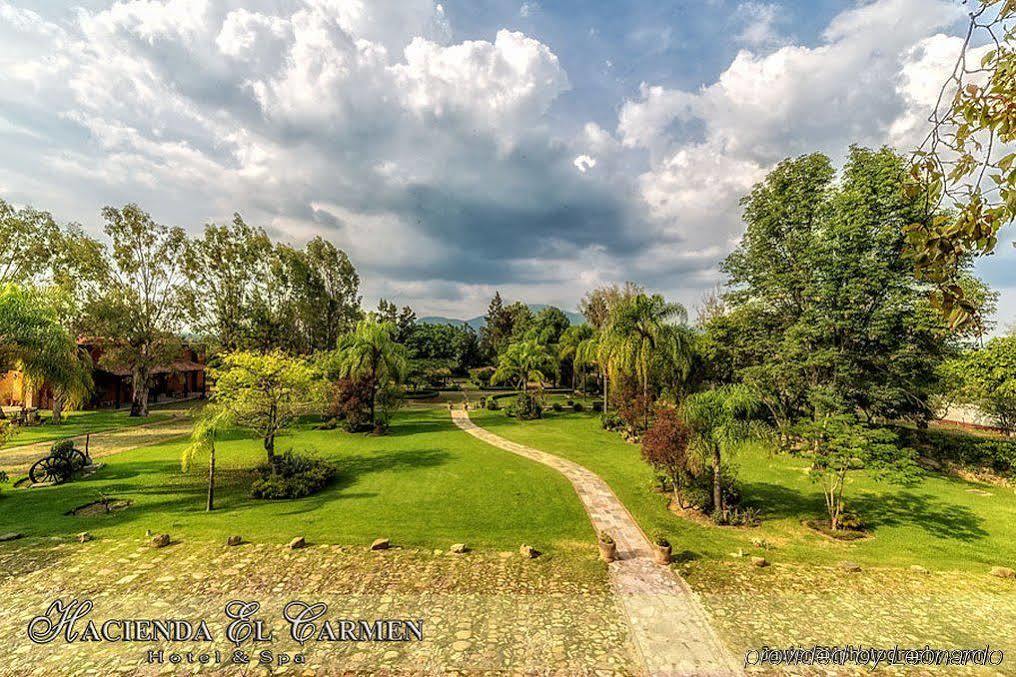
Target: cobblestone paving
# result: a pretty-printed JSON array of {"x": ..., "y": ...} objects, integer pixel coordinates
[
  {"x": 788, "y": 605},
  {"x": 16, "y": 461},
  {"x": 669, "y": 625},
  {"x": 481, "y": 611}
]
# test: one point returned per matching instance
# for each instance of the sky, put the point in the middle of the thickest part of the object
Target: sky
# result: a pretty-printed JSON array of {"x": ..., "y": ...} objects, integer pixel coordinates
[{"x": 457, "y": 148}]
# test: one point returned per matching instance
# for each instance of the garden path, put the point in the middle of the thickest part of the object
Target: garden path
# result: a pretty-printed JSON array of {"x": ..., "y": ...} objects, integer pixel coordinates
[
  {"x": 16, "y": 461},
  {"x": 669, "y": 625}
]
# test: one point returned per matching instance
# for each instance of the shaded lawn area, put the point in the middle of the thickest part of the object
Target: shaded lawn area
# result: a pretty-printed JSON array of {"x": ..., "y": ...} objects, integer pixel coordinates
[
  {"x": 80, "y": 422},
  {"x": 424, "y": 484},
  {"x": 941, "y": 523}
]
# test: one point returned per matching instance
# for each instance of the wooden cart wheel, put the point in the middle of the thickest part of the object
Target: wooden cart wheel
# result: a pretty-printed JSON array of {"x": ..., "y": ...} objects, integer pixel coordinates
[{"x": 48, "y": 469}]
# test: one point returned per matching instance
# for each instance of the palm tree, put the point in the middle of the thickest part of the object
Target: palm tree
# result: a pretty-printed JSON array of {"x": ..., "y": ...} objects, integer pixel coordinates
[
  {"x": 370, "y": 352},
  {"x": 642, "y": 332},
  {"x": 719, "y": 421},
  {"x": 207, "y": 429},
  {"x": 32, "y": 340},
  {"x": 588, "y": 355},
  {"x": 568, "y": 347},
  {"x": 522, "y": 362}
]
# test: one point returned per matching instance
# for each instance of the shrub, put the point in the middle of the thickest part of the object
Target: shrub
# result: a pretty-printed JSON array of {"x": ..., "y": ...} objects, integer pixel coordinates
[
  {"x": 666, "y": 448},
  {"x": 492, "y": 404},
  {"x": 291, "y": 476},
  {"x": 611, "y": 421},
  {"x": 481, "y": 376},
  {"x": 526, "y": 407},
  {"x": 557, "y": 406},
  {"x": 578, "y": 408},
  {"x": 350, "y": 403},
  {"x": 598, "y": 406},
  {"x": 570, "y": 402},
  {"x": 636, "y": 413},
  {"x": 62, "y": 447},
  {"x": 962, "y": 448}
]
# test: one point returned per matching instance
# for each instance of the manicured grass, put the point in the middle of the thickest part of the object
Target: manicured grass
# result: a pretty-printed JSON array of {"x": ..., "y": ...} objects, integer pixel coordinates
[
  {"x": 424, "y": 484},
  {"x": 80, "y": 422},
  {"x": 942, "y": 523}
]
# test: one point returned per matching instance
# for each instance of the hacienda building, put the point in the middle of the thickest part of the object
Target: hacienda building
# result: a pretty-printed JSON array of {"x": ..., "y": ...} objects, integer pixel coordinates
[{"x": 183, "y": 378}]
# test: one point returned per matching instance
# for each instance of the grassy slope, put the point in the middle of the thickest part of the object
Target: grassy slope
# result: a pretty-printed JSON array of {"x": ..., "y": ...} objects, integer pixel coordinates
[
  {"x": 78, "y": 423},
  {"x": 942, "y": 523},
  {"x": 424, "y": 484}
]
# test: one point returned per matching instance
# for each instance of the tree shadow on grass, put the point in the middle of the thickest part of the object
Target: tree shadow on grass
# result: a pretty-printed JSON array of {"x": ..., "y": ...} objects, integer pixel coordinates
[{"x": 902, "y": 508}]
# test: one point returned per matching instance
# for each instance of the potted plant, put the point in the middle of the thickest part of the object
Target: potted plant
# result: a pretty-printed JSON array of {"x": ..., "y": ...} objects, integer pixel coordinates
[
  {"x": 662, "y": 550},
  {"x": 608, "y": 548}
]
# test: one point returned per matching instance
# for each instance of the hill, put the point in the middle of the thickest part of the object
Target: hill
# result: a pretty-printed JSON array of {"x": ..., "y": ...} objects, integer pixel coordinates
[{"x": 478, "y": 322}]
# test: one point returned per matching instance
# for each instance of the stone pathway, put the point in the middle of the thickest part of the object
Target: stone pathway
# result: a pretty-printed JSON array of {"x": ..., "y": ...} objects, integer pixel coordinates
[
  {"x": 16, "y": 461},
  {"x": 669, "y": 625}
]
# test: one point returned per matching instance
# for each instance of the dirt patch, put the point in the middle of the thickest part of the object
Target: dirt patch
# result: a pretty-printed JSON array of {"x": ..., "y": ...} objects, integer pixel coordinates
[
  {"x": 104, "y": 507},
  {"x": 821, "y": 527}
]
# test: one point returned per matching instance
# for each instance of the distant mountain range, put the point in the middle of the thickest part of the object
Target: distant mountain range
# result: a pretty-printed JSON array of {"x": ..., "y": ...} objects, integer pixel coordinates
[{"x": 478, "y": 322}]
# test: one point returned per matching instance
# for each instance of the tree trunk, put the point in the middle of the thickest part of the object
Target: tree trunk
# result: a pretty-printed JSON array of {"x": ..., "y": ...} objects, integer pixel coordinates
[
  {"x": 58, "y": 405},
  {"x": 211, "y": 479},
  {"x": 139, "y": 393},
  {"x": 717, "y": 481},
  {"x": 270, "y": 447},
  {"x": 606, "y": 393}
]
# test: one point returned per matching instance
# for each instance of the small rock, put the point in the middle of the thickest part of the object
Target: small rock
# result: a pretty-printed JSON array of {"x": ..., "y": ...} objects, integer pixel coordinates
[
  {"x": 759, "y": 561},
  {"x": 297, "y": 543},
  {"x": 84, "y": 537},
  {"x": 529, "y": 552},
  {"x": 459, "y": 548},
  {"x": 13, "y": 536},
  {"x": 850, "y": 566},
  {"x": 234, "y": 540},
  {"x": 918, "y": 569},
  {"x": 160, "y": 541},
  {"x": 438, "y": 552},
  {"x": 381, "y": 544},
  {"x": 1003, "y": 572}
]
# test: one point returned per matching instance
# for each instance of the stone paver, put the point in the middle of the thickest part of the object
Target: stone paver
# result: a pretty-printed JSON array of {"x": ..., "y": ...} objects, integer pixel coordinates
[
  {"x": 669, "y": 625},
  {"x": 17, "y": 460},
  {"x": 482, "y": 612}
]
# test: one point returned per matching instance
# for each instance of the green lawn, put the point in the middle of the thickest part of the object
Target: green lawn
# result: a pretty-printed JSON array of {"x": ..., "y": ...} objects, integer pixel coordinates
[
  {"x": 80, "y": 422},
  {"x": 425, "y": 484},
  {"x": 942, "y": 523}
]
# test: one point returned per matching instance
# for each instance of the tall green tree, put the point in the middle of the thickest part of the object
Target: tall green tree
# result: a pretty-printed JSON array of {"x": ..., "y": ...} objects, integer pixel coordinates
[
  {"x": 140, "y": 311},
  {"x": 370, "y": 352},
  {"x": 568, "y": 349},
  {"x": 824, "y": 300},
  {"x": 497, "y": 328},
  {"x": 26, "y": 243},
  {"x": 986, "y": 378},
  {"x": 228, "y": 270}
]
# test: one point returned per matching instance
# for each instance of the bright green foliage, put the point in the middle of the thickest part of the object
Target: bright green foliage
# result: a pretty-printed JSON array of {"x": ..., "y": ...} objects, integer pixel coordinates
[
  {"x": 839, "y": 444},
  {"x": 719, "y": 420},
  {"x": 824, "y": 302},
  {"x": 986, "y": 377},
  {"x": 370, "y": 352},
  {"x": 523, "y": 362},
  {"x": 265, "y": 393},
  {"x": 966, "y": 165}
]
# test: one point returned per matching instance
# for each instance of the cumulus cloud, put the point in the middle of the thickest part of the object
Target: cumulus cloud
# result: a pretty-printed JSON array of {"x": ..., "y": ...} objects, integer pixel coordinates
[{"x": 434, "y": 161}]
